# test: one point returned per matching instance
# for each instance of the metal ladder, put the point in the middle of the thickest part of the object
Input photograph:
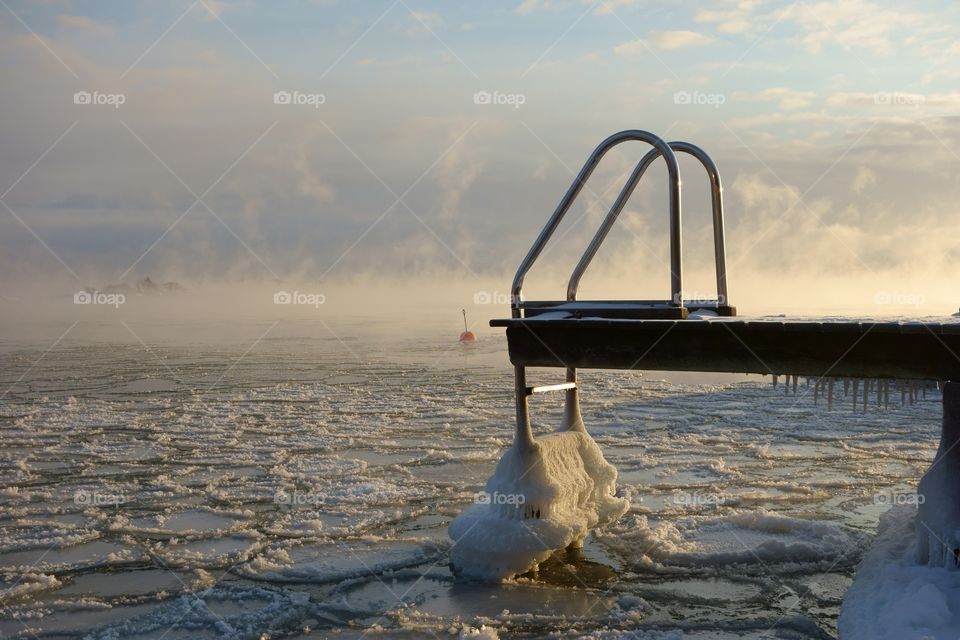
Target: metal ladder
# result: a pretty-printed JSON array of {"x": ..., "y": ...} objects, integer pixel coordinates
[{"x": 638, "y": 309}]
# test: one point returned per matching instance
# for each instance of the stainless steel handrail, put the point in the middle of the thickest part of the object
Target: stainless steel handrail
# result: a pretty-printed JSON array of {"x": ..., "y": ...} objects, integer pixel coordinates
[
  {"x": 716, "y": 191},
  {"x": 662, "y": 149}
]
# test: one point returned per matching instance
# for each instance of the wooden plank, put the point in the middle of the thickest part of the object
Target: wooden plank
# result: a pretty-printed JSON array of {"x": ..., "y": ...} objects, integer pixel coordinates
[{"x": 857, "y": 349}]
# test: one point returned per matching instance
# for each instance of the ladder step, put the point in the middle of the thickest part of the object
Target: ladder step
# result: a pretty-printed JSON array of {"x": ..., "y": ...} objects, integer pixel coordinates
[{"x": 547, "y": 388}]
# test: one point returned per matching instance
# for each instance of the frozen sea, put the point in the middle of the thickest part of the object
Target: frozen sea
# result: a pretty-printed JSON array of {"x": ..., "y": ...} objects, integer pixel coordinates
[{"x": 296, "y": 479}]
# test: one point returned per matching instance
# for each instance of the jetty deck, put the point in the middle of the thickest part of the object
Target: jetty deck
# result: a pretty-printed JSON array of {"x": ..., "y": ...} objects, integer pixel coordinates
[{"x": 917, "y": 349}]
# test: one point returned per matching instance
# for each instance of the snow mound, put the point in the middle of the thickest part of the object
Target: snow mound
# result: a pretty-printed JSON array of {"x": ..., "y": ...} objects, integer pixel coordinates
[
  {"x": 535, "y": 503},
  {"x": 893, "y": 596}
]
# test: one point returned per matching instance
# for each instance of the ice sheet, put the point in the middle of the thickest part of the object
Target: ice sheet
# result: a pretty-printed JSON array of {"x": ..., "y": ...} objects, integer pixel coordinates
[{"x": 304, "y": 450}]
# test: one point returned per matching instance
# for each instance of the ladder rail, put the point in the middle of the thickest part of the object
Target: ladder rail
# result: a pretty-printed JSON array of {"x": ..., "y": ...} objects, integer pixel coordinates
[
  {"x": 663, "y": 149},
  {"x": 716, "y": 192}
]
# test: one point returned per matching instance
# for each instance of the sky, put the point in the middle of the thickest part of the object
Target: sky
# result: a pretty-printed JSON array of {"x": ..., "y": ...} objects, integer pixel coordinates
[{"x": 361, "y": 144}]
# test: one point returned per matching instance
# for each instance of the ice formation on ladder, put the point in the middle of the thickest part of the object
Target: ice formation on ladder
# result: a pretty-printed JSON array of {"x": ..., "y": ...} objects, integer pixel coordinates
[{"x": 548, "y": 492}]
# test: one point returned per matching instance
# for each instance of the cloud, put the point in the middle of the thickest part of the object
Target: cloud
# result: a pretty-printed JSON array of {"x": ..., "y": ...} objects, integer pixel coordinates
[
  {"x": 85, "y": 24},
  {"x": 532, "y": 6},
  {"x": 743, "y": 66},
  {"x": 214, "y": 8},
  {"x": 608, "y": 7},
  {"x": 902, "y": 99},
  {"x": 604, "y": 8},
  {"x": 455, "y": 174},
  {"x": 671, "y": 40},
  {"x": 423, "y": 22},
  {"x": 769, "y": 118},
  {"x": 734, "y": 20},
  {"x": 631, "y": 48},
  {"x": 309, "y": 178},
  {"x": 855, "y": 23},
  {"x": 787, "y": 99},
  {"x": 865, "y": 178}
]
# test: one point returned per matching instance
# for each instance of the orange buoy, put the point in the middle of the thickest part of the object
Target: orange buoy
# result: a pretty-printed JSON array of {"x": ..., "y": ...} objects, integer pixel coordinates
[{"x": 467, "y": 335}]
